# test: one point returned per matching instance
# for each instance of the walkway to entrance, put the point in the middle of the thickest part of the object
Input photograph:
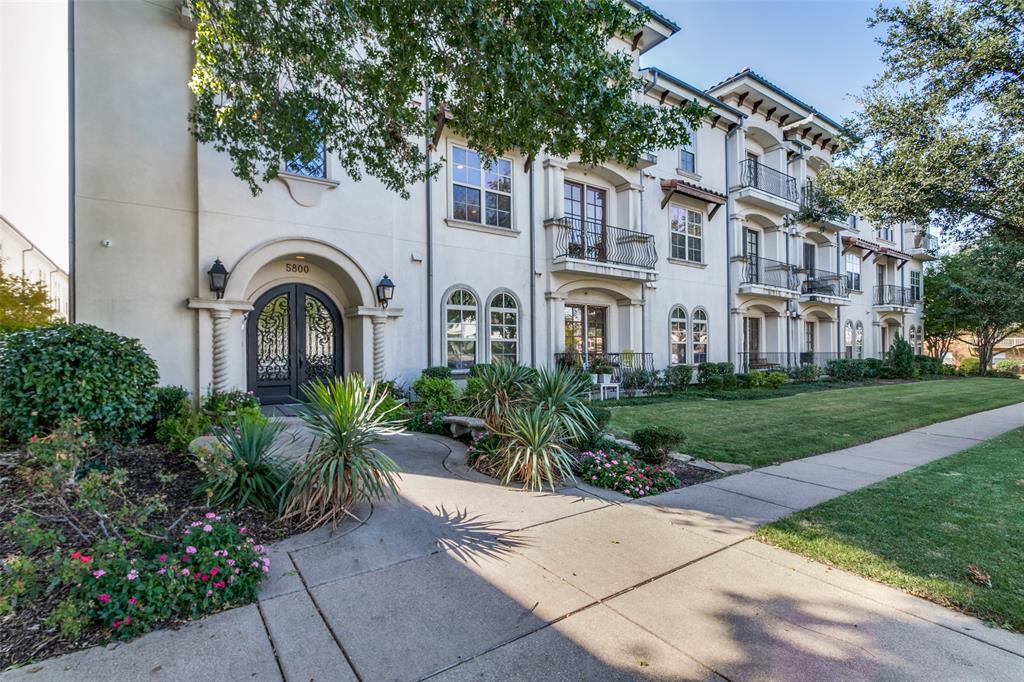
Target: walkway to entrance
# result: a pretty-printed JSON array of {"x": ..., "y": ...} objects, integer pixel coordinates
[{"x": 465, "y": 579}]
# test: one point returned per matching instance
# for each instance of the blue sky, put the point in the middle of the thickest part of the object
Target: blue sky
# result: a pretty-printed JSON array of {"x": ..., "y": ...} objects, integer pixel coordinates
[{"x": 821, "y": 51}]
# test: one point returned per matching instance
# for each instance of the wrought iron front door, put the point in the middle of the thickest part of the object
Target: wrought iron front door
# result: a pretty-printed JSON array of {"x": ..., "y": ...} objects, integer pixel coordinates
[{"x": 293, "y": 337}]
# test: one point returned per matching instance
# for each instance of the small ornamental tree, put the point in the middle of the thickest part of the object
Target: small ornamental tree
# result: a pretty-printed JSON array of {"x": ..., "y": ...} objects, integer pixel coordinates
[
  {"x": 375, "y": 83},
  {"x": 23, "y": 303}
]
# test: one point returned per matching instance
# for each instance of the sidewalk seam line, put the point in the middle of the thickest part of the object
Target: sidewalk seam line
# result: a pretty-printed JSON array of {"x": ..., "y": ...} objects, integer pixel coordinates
[{"x": 270, "y": 638}]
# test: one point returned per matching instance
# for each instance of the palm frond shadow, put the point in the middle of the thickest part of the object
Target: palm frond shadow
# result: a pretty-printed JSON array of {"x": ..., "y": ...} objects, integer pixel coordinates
[{"x": 471, "y": 537}]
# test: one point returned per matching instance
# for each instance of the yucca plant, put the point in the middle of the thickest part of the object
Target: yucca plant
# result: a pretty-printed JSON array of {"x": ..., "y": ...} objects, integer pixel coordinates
[
  {"x": 345, "y": 416},
  {"x": 247, "y": 470},
  {"x": 563, "y": 392},
  {"x": 498, "y": 388},
  {"x": 531, "y": 451}
]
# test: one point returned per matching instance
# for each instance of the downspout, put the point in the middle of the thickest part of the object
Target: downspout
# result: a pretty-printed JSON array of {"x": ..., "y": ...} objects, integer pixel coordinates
[
  {"x": 31, "y": 247},
  {"x": 72, "y": 270},
  {"x": 533, "y": 271},
  {"x": 839, "y": 308},
  {"x": 643, "y": 285},
  {"x": 428, "y": 188},
  {"x": 789, "y": 319},
  {"x": 730, "y": 330}
]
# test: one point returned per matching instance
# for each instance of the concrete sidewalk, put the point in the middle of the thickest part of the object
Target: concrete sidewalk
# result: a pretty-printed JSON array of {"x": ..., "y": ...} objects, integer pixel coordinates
[{"x": 463, "y": 579}]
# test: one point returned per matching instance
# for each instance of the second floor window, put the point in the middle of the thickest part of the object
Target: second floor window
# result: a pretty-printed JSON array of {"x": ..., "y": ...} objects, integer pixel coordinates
[
  {"x": 314, "y": 167},
  {"x": 853, "y": 272},
  {"x": 688, "y": 154},
  {"x": 687, "y": 234},
  {"x": 481, "y": 195},
  {"x": 915, "y": 286}
]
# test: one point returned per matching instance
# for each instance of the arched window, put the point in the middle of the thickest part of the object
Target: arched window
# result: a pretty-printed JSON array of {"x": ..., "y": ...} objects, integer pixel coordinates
[
  {"x": 848, "y": 339},
  {"x": 920, "y": 340},
  {"x": 700, "y": 336},
  {"x": 504, "y": 327},
  {"x": 912, "y": 337},
  {"x": 858, "y": 340},
  {"x": 461, "y": 329},
  {"x": 677, "y": 336}
]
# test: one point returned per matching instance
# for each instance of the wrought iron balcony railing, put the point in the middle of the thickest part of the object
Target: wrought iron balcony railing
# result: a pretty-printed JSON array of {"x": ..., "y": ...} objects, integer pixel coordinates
[
  {"x": 891, "y": 294},
  {"x": 760, "y": 361},
  {"x": 757, "y": 270},
  {"x": 926, "y": 242},
  {"x": 592, "y": 240},
  {"x": 813, "y": 198},
  {"x": 621, "y": 364},
  {"x": 759, "y": 176},
  {"x": 824, "y": 283}
]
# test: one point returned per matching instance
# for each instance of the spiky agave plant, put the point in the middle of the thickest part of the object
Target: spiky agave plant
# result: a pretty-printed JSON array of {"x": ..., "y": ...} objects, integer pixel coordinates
[
  {"x": 532, "y": 452},
  {"x": 254, "y": 474},
  {"x": 345, "y": 417},
  {"x": 497, "y": 389},
  {"x": 563, "y": 392}
]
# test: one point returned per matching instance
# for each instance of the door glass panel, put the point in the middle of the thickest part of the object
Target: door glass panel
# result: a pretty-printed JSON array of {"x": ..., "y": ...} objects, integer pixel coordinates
[
  {"x": 273, "y": 359},
  {"x": 574, "y": 328},
  {"x": 596, "y": 318},
  {"x": 595, "y": 223},
  {"x": 809, "y": 251},
  {"x": 752, "y": 334},
  {"x": 320, "y": 336}
]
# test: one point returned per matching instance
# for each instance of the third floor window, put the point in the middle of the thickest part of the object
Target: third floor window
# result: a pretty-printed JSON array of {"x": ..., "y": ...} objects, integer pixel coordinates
[
  {"x": 688, "y": 154},
  {"x": 481, "y": 195}
]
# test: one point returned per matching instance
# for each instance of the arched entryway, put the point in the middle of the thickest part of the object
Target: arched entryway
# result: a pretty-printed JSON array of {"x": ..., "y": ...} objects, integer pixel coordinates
[{"x": 293, "y": 337}]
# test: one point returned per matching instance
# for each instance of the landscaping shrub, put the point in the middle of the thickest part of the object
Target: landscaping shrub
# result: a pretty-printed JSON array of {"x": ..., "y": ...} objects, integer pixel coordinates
[
  {"x": 705, "y": 371},
  {"x": 900, "y": 359},
  {"x": 496, "y": 389},
  {"x": 531, "y": 450},
  {"x": 872, "y": 368},
  {"x": 927, "y": 365},
  {"x": 344, "y": 468},
  {"x": 807, "y": 372},
  {"x": 680, "y": 377},
  {"x": 177, "y": 432},
  {"x": 475, "y": 370},
  {"x": 970, "y": 366},
  {"x": 440, "y": 372},
  {"x": 564, "y": 393},
  {"x": 129, "y": 587},
  {"x": 427, "y": 422},
  {"x": 169, "y": 401},
  {"x": 1009, "y": 365},
  {"x": 243, "y": 468},
  {"x": 602, "y": 415},
  {"x": 656, "y": 442},
  {"x": 395, "y": 389},
  {"x": 639, "y": 380},
  {"x": 774, "y": 380},
  {"x": 714, "y": 383},
  {"x": 618, "y": 471},
  {"x": 220, "y": 406},
  {"x": 51, "y": 374},
  {"x": 846, "y": 369},
  {"x": 436, "y": 394}
]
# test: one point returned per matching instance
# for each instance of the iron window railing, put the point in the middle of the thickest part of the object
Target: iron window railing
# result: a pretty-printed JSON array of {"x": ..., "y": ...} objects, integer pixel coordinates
[
  {"x": 621, "y": 364},
  {"x": 594, "y": 241},
  {"x": 891, "y": 294},
  {"x": 759, "y": 176},
  {"x": 824, "y": 283},
  {"x": 773, "y": 273}
]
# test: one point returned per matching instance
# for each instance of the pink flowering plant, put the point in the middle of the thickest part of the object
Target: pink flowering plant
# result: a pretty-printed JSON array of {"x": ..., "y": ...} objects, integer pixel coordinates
[
  {"x": 128, "y": 587},
  {"x": 620, "y": 472}
]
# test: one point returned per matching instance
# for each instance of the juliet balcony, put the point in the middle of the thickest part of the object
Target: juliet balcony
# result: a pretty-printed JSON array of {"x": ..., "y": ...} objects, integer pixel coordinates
[
  {"x": 893, "y": 298},
  {"x": 763, "y": 186},
  {"x": 767, "y": 277},
  {"x": 596, "y": 248}
]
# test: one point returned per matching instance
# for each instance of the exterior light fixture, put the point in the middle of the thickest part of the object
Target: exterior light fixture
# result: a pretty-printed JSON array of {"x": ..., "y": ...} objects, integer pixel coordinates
[
  {"x": 218, "y": 278},
  {"x": 385, "y": 291}
]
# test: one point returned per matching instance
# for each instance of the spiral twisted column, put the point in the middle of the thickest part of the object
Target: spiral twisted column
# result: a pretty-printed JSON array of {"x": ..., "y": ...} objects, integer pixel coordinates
[
  {"x": 221, "y": 355},
  {"x": 378, "y": 347}
]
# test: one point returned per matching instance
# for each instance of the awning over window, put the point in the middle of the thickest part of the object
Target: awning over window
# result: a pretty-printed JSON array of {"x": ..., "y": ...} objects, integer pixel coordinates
[
  {"x": 850, "y": 242},
  {"x": 714, "y": 200}
]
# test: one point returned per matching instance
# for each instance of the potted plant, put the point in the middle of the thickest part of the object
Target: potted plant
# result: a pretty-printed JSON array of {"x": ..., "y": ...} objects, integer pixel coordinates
[{"x": 603, "y": 369}]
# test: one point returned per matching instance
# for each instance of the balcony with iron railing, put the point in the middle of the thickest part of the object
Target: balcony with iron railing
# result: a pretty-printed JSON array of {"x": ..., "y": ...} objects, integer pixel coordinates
[
  {"x": 893, "y": 296},
  {"x": 778, "y": 185},
  {"x": 765, "y": 274},
  {"x": 622, "y": 365},
  {"x": 592, "y": 242},
  {"x": 831, "y": 209},
  {"x": 773, "y": 361},
  {"x": 823, "y": 283},
  {"x": 925, "y": 246}
]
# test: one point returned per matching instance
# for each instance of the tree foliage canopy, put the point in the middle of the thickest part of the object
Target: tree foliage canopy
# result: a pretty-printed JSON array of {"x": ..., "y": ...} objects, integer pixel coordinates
[
  {"x": 275, "y": 80},
  {"x": 941, "y": 131},
  {"x": 23, "y": 303},
  {"x": 977, "y": 295}
]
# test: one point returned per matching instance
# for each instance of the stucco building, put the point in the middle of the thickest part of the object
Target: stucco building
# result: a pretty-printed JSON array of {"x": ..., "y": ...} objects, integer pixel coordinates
[
  {"x": 687, "y": 257},
  {"x": 20, "y": 256}
]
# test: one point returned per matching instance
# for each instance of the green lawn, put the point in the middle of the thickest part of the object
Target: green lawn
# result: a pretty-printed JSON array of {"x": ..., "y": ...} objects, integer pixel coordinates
[
  {"x": 761, "y": 432},
  {"x": 921, "y": 530}
]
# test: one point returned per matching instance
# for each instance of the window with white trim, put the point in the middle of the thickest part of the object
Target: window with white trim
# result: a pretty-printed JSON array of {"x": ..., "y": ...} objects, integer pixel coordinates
[
  {"x": 315, "y": 166},
  {"x": 700, "y": 336},
  {"x": 915, "y": 285},
  {"x": 687, "y": 234},
  {"x": 677, "y": 333},
  {"x": 853, "y": 272},
  {"x": 481, "y": 194},
  {"x": 461, "y": 329},
  {"x": 848, "y": 339},
  {"x": 688, "y": 153},
  {"x": 504, "y": 328},
  {"x": 858, "y": 340}
]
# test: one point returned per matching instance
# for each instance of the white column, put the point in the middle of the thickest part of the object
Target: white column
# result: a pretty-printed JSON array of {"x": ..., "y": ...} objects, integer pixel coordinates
[
  {"x": 221, "y": 354},
  {"x": 554, "y": 178}
]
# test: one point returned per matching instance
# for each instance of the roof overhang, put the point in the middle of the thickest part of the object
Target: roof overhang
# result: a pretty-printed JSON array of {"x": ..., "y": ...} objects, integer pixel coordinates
[
  {"x": 672, "y": 186},
  {"x": 666, "y": 88},
  {"x": 657, "y": 29}
]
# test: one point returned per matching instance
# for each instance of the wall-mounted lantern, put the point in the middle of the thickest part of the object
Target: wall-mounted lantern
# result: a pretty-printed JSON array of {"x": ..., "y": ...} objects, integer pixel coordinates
[
  {"x": 385, "y": 291},
  {"x": 218, "y": 278}
]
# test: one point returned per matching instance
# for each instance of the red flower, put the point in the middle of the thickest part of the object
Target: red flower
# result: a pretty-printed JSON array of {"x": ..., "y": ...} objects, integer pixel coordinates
[
  {"x": 219, "y": 584},
  {"x": 86, "y": 559},
  {"x": 204, "y": 578},
  {"x": 104, "y": 598},
  {"x": 75, "y": 555},
  {"x": 214, "y": 571}
]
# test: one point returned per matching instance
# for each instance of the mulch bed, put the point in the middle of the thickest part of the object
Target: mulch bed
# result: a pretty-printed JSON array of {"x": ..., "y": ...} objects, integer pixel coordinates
[
  {"x": 152, "y": 469},
  {"x": 690, "y": 475}
]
